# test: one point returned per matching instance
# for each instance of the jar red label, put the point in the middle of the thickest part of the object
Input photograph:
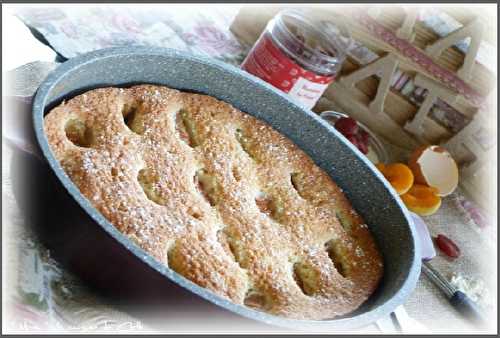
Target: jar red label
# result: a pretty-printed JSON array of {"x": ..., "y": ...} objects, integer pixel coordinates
[{"x": 272, "y": 65}]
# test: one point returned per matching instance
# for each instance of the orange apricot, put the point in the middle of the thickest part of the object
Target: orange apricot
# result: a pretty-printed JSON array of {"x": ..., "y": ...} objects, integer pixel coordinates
[
  {"x": 422, "y": 199},
  {"x": 398, "y": 174}
]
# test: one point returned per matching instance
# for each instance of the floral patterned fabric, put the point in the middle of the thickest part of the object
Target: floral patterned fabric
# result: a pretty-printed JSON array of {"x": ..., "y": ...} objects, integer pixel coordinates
[{"x": 76, "y": 30}]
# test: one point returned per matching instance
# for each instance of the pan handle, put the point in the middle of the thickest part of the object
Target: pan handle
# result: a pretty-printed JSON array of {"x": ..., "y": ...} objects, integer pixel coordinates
[
  {"x": 17, "y": 129},
  {"x": 17, "y": 123}
]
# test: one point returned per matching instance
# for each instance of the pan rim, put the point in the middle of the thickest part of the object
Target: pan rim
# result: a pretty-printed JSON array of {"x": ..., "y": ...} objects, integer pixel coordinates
[{"x": 356, "y": 321}]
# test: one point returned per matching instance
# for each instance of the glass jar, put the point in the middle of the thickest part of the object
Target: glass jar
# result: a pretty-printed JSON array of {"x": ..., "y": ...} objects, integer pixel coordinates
[
  {"x": 299, "y": 55},
  {"x": 376, "y": 150}
]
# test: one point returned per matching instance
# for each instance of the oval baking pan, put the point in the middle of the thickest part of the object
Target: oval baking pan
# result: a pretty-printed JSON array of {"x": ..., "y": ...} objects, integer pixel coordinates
[{"x": 82, "y": 239}]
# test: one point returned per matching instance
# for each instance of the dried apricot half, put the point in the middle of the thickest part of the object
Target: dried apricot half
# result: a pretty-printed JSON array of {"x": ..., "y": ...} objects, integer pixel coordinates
[
  {"x": 399, "y": 175},
  {"x": 422, "y": 199}
]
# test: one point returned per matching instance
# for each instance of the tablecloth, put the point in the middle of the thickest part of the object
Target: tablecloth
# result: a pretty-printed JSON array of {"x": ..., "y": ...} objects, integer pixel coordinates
[{"x": 43, "y": 297}]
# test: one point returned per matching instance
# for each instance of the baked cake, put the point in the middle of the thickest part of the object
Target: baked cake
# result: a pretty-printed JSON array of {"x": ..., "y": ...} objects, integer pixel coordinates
[{"x": 218, "y": 196}]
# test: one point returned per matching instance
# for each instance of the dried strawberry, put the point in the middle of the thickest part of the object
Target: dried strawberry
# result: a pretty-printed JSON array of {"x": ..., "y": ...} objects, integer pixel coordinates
[
  {"x": 362, "y": 146},
  {"x": 353, "y": 139},
  {"x": 447, "y": 246},
  {"x": 365, "y": 137},
  {"x": 347, "y": 126}
]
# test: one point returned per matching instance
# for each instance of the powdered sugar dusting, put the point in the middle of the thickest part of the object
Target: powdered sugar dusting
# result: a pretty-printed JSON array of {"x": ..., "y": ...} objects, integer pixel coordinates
[{"x": 140, "y": 175}]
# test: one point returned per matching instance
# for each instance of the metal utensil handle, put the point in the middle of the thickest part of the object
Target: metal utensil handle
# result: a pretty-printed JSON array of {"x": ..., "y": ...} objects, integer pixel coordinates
[
  {"x": 438, "y": 279},
  {"x": 463, "y": 304},
  {"x": 459, "y": 300},
  {"x": 388, "y": 325}
]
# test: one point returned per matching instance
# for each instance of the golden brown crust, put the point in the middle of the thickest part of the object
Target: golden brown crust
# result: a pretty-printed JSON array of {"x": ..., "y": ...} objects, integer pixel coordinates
[{"x": 218, "y": 196}]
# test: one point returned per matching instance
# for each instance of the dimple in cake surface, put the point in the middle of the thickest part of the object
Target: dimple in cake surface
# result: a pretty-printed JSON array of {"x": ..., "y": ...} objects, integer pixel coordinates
[{"x": 219, "y": 197}]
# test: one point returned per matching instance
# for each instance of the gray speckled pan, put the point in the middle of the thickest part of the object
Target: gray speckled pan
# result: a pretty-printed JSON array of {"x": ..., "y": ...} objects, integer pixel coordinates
[{"x": 370, "y": 195}]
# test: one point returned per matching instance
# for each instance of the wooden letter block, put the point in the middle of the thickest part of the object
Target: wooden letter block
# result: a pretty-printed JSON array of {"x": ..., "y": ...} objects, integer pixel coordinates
[
  {"x": 476, "y": 173},
  {"x": 406, "y": 30},
  {"x": 383, "y": 67},
  {"x": 469, "y": 137},
  {"x": 434, "y": 91},
  {"x": 474, "y": 30}
]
